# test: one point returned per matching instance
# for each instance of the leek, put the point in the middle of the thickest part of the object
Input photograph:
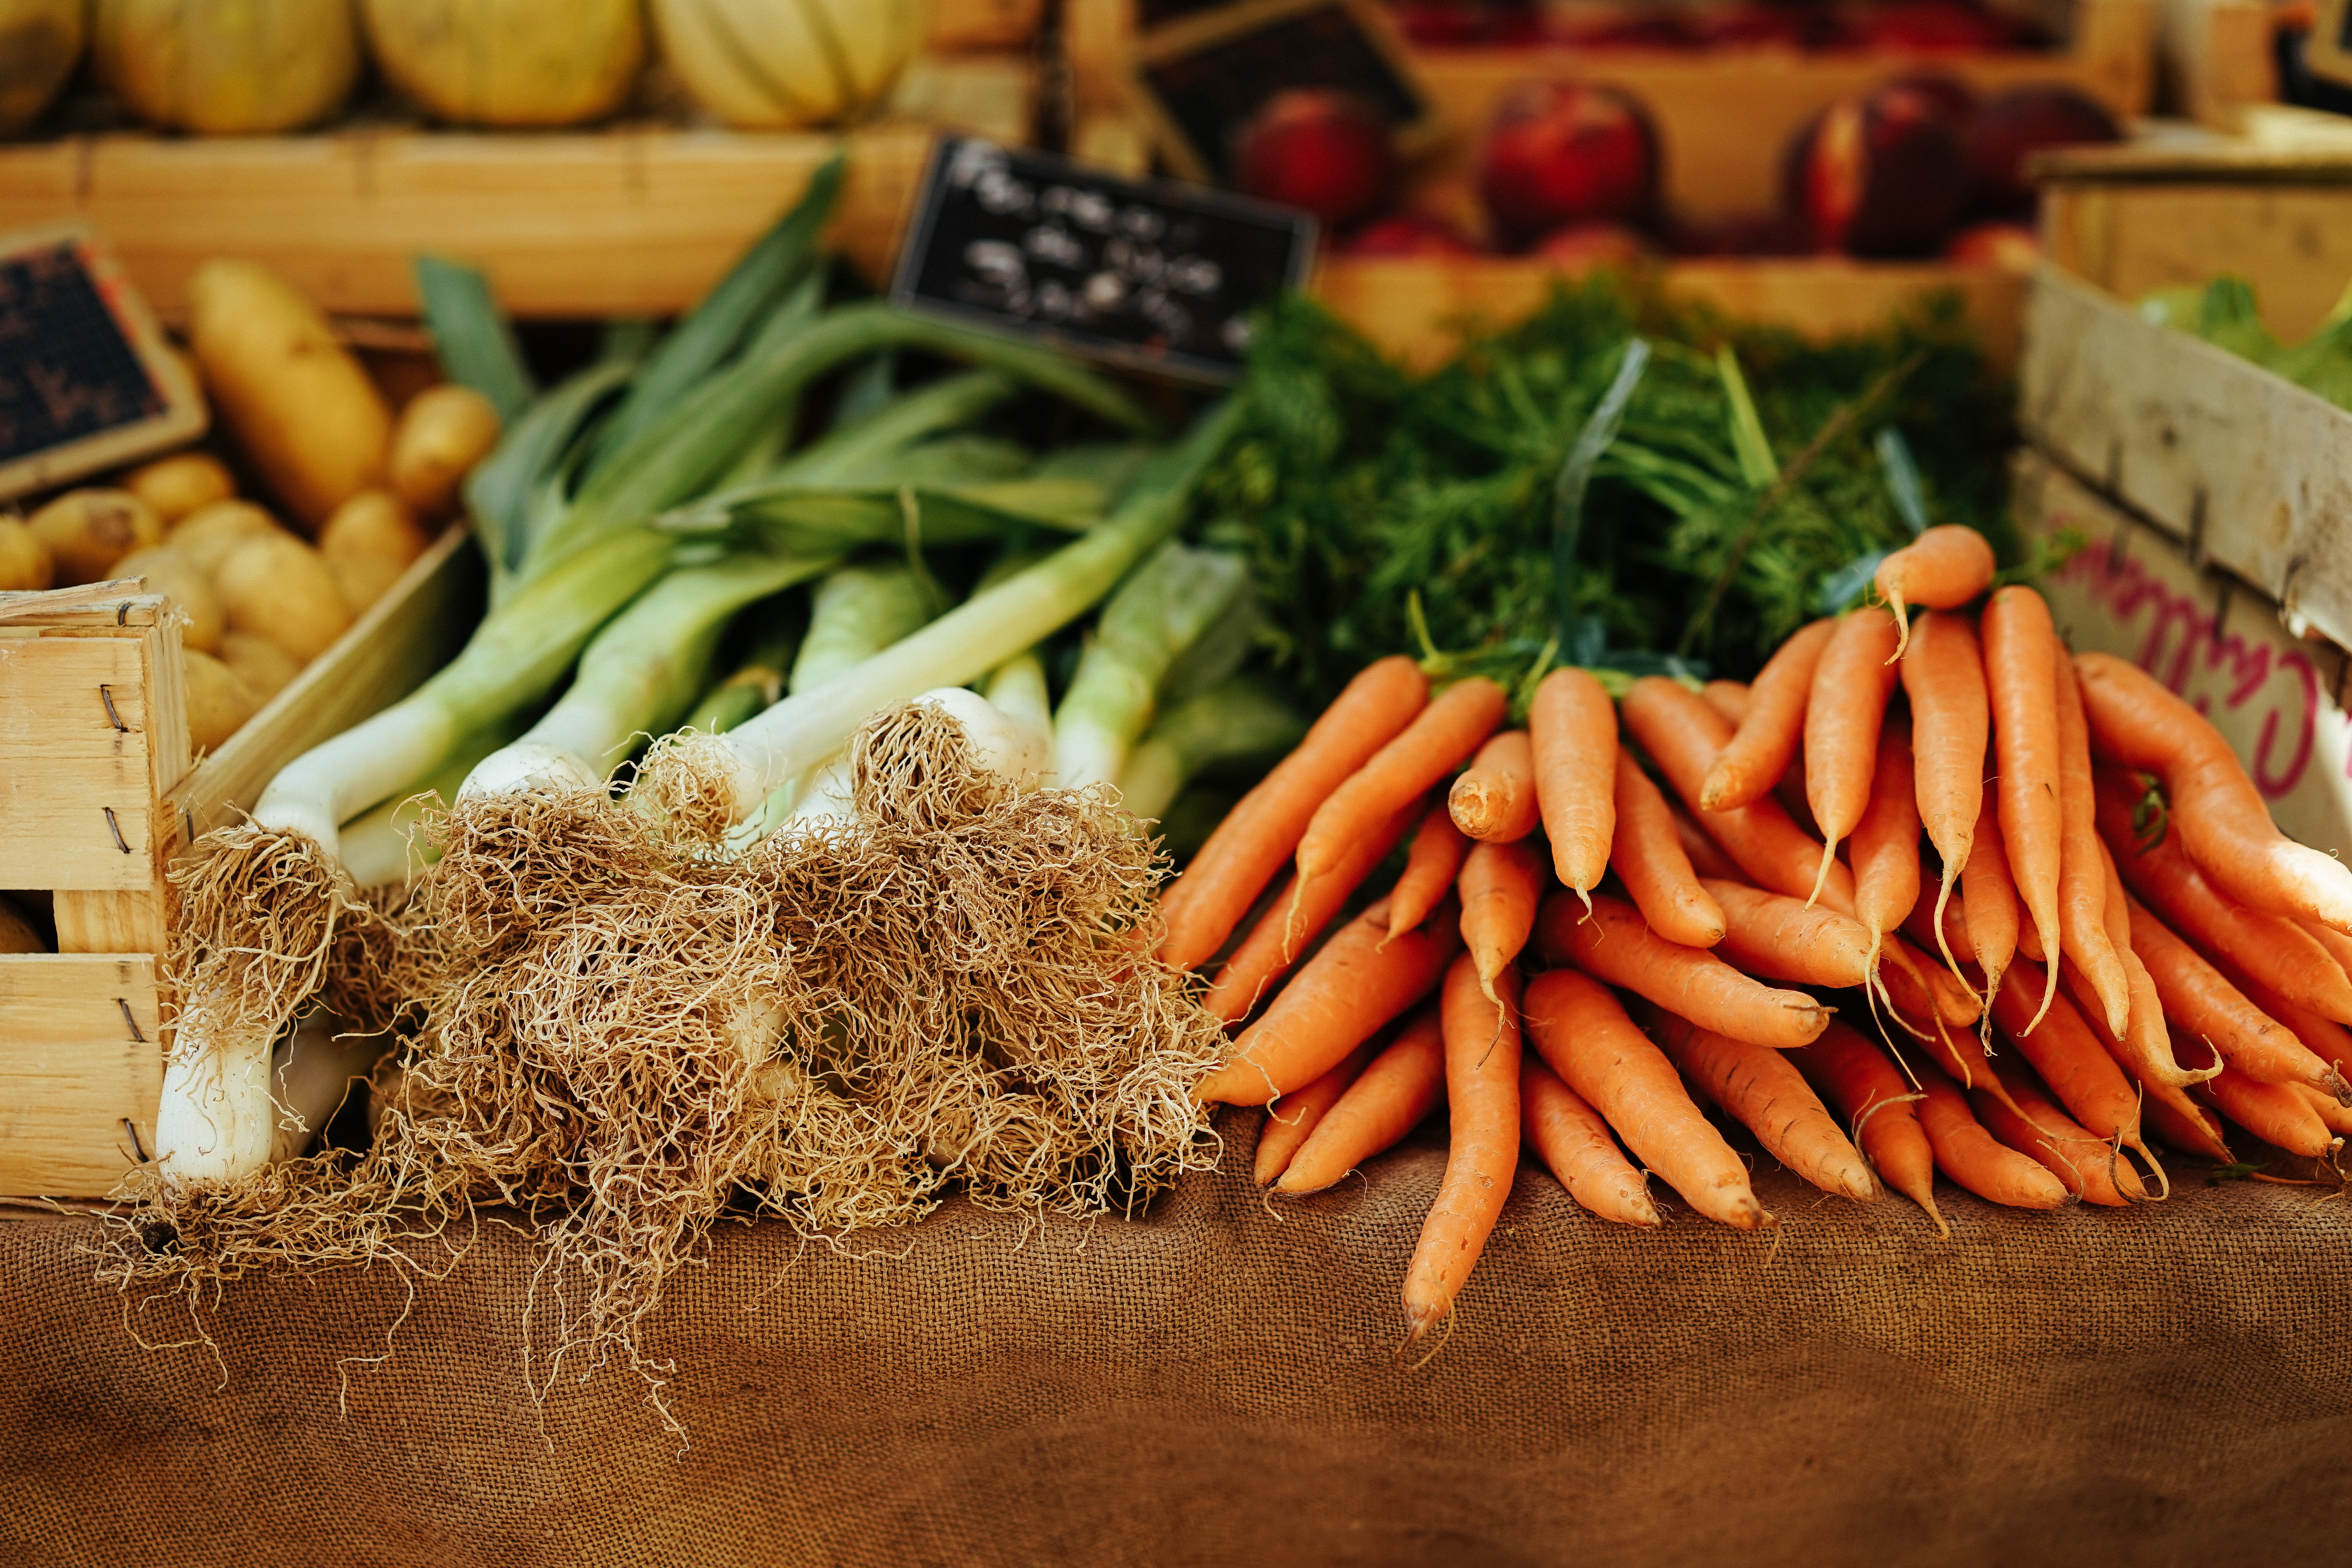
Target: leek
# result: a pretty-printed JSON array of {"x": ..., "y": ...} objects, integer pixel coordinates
[
  {"x": 1158, "y": 612},
  {"x": 858, "y": 612},
  {"x": 1236, "y": 721},
  {"x": 759, "y": 680},
  {"x": 377, "y": 850},
  {"x": 472, "y": 336}
]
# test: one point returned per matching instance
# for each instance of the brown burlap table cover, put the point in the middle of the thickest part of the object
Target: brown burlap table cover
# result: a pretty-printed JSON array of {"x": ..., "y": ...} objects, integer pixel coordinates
[{"x": 1213, "y": 1385}]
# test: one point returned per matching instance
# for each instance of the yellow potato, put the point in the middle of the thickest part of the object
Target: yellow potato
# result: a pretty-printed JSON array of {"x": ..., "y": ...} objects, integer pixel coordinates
[
  {"x": 179, "y": 484},
  {"x": 298, "y": 402},
  {"x": 208, "y": 534},
  {"x": 363, "y": 579},
  {"x": 168, "y": 571},
  {"x": 277, "y": 588},
  {"x": 265, "y": 668},
  {"x": 88, "y": 530},
  {"x": 443, "y": 433},
  {"x": 24, "y": 565},
  {"x": 373, "y": 524},
  {"x": 218, "y": 702}
]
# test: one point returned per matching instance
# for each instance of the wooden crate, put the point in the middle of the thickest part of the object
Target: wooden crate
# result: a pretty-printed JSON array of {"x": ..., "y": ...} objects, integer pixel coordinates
[
  {"x": 104, "y": 793},
  {"x": 958, "y": 26},
  {"x": 635, "y": 220},
  {"x": 2216, "y": 58}
]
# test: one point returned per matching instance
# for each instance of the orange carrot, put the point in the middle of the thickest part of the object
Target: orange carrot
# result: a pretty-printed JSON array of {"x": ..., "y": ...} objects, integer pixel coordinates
[
  {"x": 1682, "y": 735},
  {"x": 2022, "y": 654},
  {"x": 1290, "y": 1122},
  {"x": 2266, "y": 947},
  {"x": 1648, "y": 856},
  {"x": 2216, "y": 809},
  {"x": 1614, "y": 944},
  {"x": 1992, "y": 898},
  {"x": 1753, "y": 759},
  {"x": 1387, "y": 1100},
  {"x": 1878, "y": 1103},
  {"x": 1573, "y": 1140},
  {"x": 1430, "y": 867},
  {"x": 1706, "y": 857},
  {"x": 2082, "y": 924},
  {"x": 1204, "y": 905},
  {"x": 1482, "y": 1094},
  {"x": 2339, "y": 945},
  {"x": 2273, "y": 1112},
  {"x": 1587, "y": 1038},
  {"x": 1292, "y": 923},
  {"x": 1494, "y": 800},
  {"x": 1344, "y": 995},
  {"x": 2027, "y": 1122},
  {"x": 2195, "y": 1130},
  {"x": 1843, "y": 714},
  {"x": 2146, "y": 1053},
  {"x": 1951, "y": 938},
  {"x": 2068, "y": 1054},
  {"x": 2323, "y": 1037},
  {"x": 1973, "y": 1157},
  {"x": 2204, "y": 1005},
  {"x": 1573, "y": 726},
  {"x": 1775, "y": 937},
  {"x": 1763, "y": 1091},
  {"x": 1943, "y": 569},
  {"x": 1949, "y": 995},
  {"x": 2337, "y": 1118},
  {"x": 1435, "y": 743},
  {"x": 1886, "y": 848},
  {"x": 1728, "y": 699},
  {"x": 1790, "y": 792},
  {"x": 1501, "y": 884},
  {"x": 1952, "y": 717}
]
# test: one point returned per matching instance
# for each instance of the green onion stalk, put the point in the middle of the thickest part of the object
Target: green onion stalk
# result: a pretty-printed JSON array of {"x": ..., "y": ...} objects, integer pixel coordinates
[
  {"x": 858, "y": 612},
  {"x": 1237, "y": 721},
  {"x": 1154, "y": 619},
  {"x": 758, "y": 682}
]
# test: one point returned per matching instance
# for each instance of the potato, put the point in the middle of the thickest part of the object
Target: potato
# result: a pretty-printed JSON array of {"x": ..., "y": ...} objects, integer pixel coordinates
[
  {"x": 168, "y": 571},
  {"x": 218, "y": 702},
  {"x": 24, "y": 565},
  {"x": 179, "y": 484},
  {"x": 208, "y": 534},
  {"x": 363, "y": 579},
  {"x": 443, "y": 433},
  {"x": 264, "y": 668},
  {"x": 277, "y": 588},
  {"x": 88, "y": 530},
  {"x": 298, "y": 402},
  {"x": 376, "y": 524}
]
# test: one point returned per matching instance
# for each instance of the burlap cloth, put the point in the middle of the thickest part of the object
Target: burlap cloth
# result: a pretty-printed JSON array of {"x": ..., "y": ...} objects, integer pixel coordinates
[{"x": 1213, "y": 1385}]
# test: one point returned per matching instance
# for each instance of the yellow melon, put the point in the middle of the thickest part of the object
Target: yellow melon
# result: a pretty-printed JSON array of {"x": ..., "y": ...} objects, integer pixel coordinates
[
  {"x": 786, "y": 63},
  {"x": 229, "y": 66},
  {"x": 39, "y": 42},
  {"x": 510, "y": 62}
]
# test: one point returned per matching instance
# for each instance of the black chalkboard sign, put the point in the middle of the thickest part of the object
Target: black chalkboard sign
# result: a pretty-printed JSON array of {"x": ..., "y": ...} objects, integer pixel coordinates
[
  {"x": 86, "y": 382},
  {"x": 1145, "y": 273}
]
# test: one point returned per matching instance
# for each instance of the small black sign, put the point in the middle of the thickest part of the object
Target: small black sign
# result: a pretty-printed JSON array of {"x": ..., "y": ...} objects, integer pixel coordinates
[{"x": 1144, "y": 273}]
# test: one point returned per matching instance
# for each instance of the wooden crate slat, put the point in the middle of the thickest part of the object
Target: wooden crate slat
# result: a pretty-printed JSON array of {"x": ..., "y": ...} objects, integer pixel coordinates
[
  {"x": 70, "y": 765},
  {"x": 113, "y": 922},
  {"x": 71, "y": 1070}
]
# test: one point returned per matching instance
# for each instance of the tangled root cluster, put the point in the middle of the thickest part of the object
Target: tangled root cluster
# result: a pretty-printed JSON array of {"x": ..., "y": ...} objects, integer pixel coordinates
[{"x": 630, "y": 1036}]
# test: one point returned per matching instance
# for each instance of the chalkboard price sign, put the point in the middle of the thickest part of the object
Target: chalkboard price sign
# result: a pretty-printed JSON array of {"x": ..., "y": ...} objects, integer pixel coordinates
[
  {"x": 86, "y": 381},
  {"x": 1149, "y": 274}
]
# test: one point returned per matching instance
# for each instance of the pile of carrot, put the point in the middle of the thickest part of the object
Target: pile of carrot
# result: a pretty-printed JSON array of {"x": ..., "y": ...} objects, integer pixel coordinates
[{"x": 1930, "y": 894}]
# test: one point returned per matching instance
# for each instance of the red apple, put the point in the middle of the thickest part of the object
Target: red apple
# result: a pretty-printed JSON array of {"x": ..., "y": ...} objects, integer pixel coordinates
[
  {"x": 1408, "y": 234},
  {"x": 1443, "y": 24},
  {"x": 2011, "y": 247},
  {"x": 2021, "y": 122},
  {"x": 1559, "y": 154},
  {"x": 1580, "y": 247},
  {"x": 1881, "y": 174},
  {"x": 1939, "y": 25},
  {"x": 1953, "y": 99},
  {"x": 1324, "y": 151}
]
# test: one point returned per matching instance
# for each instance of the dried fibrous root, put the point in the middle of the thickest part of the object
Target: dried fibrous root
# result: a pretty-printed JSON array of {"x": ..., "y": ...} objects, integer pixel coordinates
[
  {"x": 256, "y": 920},
  {"x": 688, "y": 780}
]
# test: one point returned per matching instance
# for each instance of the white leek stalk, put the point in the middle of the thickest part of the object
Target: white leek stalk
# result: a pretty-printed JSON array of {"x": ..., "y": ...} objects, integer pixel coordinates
[
  {"x": 1231, "y": 722},
  {"x": 215, "y": 1120},
  {"x": 1157, "y": 613},
  {"x": 376, "y": 848},
  {"x": 858, "y": 612}
]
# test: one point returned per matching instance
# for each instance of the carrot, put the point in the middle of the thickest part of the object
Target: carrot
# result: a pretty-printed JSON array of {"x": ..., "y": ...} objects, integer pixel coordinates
[
  {"x": 1976, "y": 1159},
  {"x": 1287, "y": 1124},
  {"x": 1767, "y": 733},
  {"x": 1292, "y": 921},
  {"x": 1914, "y": 986},
  {"x": 1992, "y": 898},
  {"x": 1790, "y": 792},
  {"x": 2216, "y": 809},
  {"x": 2029, "y": 1124},
  {"x": 1843, "y": 713},
  {"x": 1204, "y": 905},
  {"x": 1951, "y": 718},
  {"x": 1879, "y": 1104},
  {"x": 1430, "y": 867},
  {"x": 1343, "y": 997},
  {"x": 1649, "y": 858},
  {"x": 1728, "y": 699},
  {"x": 1682, "y": 735},
  {"x": 1886, "y": 848},
  {"x": 1763, "y": 1091},
  {"x": 1706, "y": 857},
  {"x": 1573, "y": 726},
  {"x": 1435, "y": 743},
  {"x": 2195, "y": 1130},
  {"x": 2021, "y": 655},
  {"x": 2069, "y": 1056},
  {"x": 1570, "y": 1138},
  {"x": 1482, "y": 1093},
  {"x": 2083, "y": 932},
  {"x": 2199, "y": 1000},
  {"x": 2337, "y": 1118},
  {"x": 1494, "y": 800},
  {"x": 1949, "y": 995},
  {"x": 1942, "y": 569},
  {"x": 1613, "y": 945},
  {"x": 1580, "y": 1029},
  {"x": 1500, "y": 886},
  {"x": 1775, "y": 937},
  {"x": 2323, "y": 1038},
  {"x": 2148, "y": 1055},
  {"x": 2265, "y": 947},
  {"x": 1950, "y": 937},
  {"x": 2273, "y": 1112},
  {"x": 1387, "y": 1100},
  {"x": 2339, "y": 945}
]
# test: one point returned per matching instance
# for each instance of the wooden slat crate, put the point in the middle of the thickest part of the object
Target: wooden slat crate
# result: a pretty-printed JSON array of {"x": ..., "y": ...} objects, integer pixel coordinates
[
  {"x": 957, "y": 26},
  {"x": 104, "y": 793}
]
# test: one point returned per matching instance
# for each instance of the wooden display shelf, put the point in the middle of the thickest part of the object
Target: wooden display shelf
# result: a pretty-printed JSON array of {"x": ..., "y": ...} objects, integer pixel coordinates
[{"x": 90, "y": 701}]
